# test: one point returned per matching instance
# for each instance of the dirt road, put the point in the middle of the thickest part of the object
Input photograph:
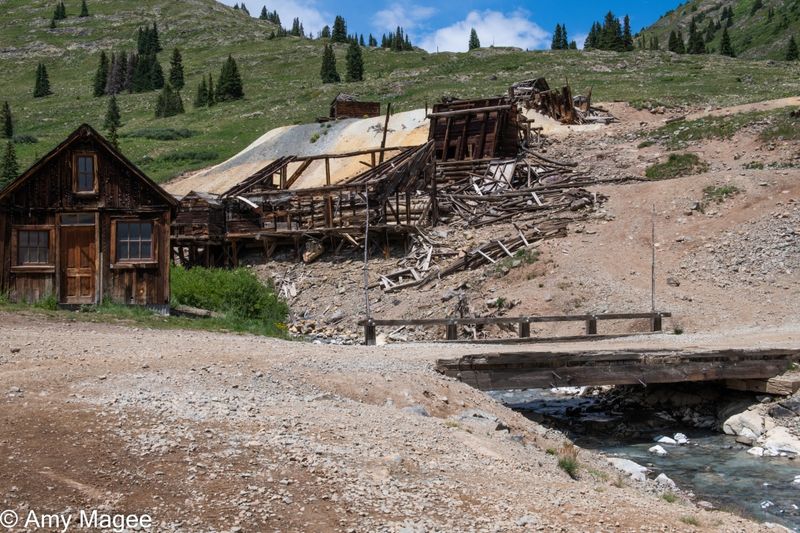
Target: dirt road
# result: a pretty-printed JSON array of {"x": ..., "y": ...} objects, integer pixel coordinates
[{"x": 214, "y": 432}]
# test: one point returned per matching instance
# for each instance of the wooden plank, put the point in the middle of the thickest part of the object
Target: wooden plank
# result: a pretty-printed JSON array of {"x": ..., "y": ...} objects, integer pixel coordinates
[
  {"x": 779, "y": 385},
  {"x": 513, "y": 320}
]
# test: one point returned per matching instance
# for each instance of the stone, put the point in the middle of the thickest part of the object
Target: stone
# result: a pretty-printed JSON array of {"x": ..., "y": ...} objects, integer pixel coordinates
[
  {"x": 792, "y": 404},
  {"x": 418, "y": 410},
  {"x": 747, "y": 420},
  {"x": 680, "y": 438},
  {"x": 747, "y": 441},
  {"x": 480, "y": 420},
  {"x": 779, "y": 411},
  {"x": 337, "y": 316},
  {"x": 526, "y": 520},
  {"x": 673, "y": 282},
  {"x": 758, "y": 451},
  {"x": 703, "y": 504},
  {"x": 636, "y": 471},
  {"x": 658, "y": 450},
  {"x": 778, "y": 440},
  {"x": 666, "y": 440},
  {"x": 665, "y": 482}
]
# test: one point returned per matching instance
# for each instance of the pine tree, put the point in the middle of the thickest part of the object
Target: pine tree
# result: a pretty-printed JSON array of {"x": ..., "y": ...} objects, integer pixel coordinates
[
  {"x": 176, "y": 70},
  {"x": 758, "y": 4},
  {"x": 295, "y": 28},
  {"x": 556, "y": 43},
  {"x": 156, "y": 73},
  {"x": 244, "y": 8},
  {"x": 573, "y": 45},
  {"x": 201, "y": 99},
  {"x": 10, "y": 169},
  {"x": 372, "y": 42},
  {"x": 328, "y": 71},
  {"x": 264, "y": 14},
  {"x": 326, "y": 32},
  {"x": 42, "y": 87},
  {"x": 474, "y": 42},
  {"x": 60, "y": 12},
  {"x": 696, "y": 44},
  {"x": 672, "y": 44},
  {"x": 792, "y": 53},
  {"x": 339, "y": 31},
  {"x": 84, "y": 9},
  {"x": 229, "y": 84},
  {"x": 169, "y": 102},
  {"x": 8, "y": 121},
  {"x": 130, "y": 72},
  {"x": 725, "y": 47},
  {"x": 101, "y": 75},
  {"x": 116, "y": 75},
  {"x": 361, "y": 40},
  {"x": 212, "y": 96},
  {"x": 627, "y": 37},
  {"x": 355, "y": 63},
  {"x": 156, "y": 40}
]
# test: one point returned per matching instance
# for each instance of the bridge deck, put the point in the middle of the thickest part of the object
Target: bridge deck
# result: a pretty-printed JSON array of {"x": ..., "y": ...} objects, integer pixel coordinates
[{"x": 532, "y": 370}]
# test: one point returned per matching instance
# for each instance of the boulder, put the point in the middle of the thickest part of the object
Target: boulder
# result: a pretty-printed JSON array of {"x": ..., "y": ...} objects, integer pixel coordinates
[
  {"x": 758, "y": 451},
  {"x": 418, "y": 410},
  {"x": 747, "y": 420},
  {"x": 480, "y": 420},
  {"x": 665, "y": 483},
  {"x": 778, "y": 440},
  {"x": 680, "y": 438},
  {"x": 636, "y": 471},
  {"x": 666, "y": 440},
  {"x": 658, "y": 450}
]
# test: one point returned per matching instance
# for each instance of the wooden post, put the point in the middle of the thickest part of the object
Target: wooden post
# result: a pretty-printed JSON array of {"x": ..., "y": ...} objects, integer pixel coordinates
[
  {"x": 656, "y": 322},
  {"x": 591, "y": 325},
  {"x": 327, "y": 171},
  {"x": 370, "y": 338},
  {"x": 385, "y": 130},
  {"x": 524, "y": 330},
  {"x": 452, "y": 331}
]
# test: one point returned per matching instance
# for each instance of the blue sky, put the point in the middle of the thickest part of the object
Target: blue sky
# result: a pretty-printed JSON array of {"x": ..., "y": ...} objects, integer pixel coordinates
[{"x": 445, "y": 26}]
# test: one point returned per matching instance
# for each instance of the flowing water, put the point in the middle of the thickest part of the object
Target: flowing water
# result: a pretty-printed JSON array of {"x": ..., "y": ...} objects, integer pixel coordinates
[{"x": 713, "y": 466}]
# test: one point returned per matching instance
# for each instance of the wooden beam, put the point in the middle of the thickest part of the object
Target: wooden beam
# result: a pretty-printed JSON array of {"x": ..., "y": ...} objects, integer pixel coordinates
[{"x": 473, "y": 111}]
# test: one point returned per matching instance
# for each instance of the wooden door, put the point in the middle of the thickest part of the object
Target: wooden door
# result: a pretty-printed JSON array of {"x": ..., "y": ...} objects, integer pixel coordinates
[{"x": 78, "y": 265}]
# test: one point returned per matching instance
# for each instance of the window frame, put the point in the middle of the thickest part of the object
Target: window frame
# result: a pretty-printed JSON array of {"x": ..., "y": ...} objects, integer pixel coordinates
[
  {"x": 150, "y": 262},
  {"x": 76, "y": 169},
  {"x": 44, "y": 268}
]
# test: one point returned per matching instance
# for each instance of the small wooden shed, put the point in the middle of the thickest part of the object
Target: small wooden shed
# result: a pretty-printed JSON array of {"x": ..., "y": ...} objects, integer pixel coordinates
[
  {"x": 348, "y": 106},
  {"x": 84, "y": 224}
]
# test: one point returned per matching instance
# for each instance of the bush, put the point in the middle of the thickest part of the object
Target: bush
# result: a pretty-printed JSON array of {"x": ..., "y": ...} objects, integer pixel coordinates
[
  {"x": 568, "y": 460},
  {"x": 24, "y": 139},
  {"x": 719, "y": 194},
  {"x": 678, "y": 165},
  {"x": 236, "y": 293},
  {"x": 190, "y": 155},
  {"x": 161, "y": 134}
]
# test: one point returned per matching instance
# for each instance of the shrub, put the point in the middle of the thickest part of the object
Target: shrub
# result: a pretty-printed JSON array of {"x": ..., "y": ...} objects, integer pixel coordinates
[
  {"x": 25, "y": 139},
  {"x": 691, "y": 520},
  {"x": 48, "y": 303},
  {"x": 719, "y": 194},
  {"x": 669, "y": 497},
  {"x": 676, "y": 166},
  {"x": 189, "y": 155},
  {"x": 236, "y": 293},
  {"x": 568, "y": 460},
  {"x": 161, "y": 134}
]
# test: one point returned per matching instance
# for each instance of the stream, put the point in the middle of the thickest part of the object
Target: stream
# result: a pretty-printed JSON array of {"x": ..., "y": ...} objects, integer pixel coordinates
[{"x": 712, "y": 465}]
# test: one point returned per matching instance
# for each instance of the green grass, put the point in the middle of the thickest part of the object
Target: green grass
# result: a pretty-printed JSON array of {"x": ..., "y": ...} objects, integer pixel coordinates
[
  {"x": 247, "y": 305},
  {"x": 782, "y": 128},
  {"x": 719, "y": 193},
  {"x": 568, "y": 460},
  {"x": 690, "y": 520},
  {"x": 669, "y": 497},
  {"x": 281, "y": 77},
  {"x": 676, "y": 166}
]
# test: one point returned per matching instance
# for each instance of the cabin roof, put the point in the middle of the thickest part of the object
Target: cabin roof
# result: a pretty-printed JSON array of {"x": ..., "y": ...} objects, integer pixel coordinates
[{"x": 86, "y": 131}]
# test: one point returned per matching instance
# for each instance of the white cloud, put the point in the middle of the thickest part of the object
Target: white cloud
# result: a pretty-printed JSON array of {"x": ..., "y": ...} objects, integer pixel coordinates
[
  {"x": 493, "y": 27},
  {"x": 407, "y": 17}
]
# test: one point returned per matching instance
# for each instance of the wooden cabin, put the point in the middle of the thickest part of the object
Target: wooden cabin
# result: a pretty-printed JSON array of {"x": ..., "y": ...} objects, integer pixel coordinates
[
  {"x": 83, "y": 224},
  {"x": 198, "y": 231},
  {"x": 348, "y": 106},
  {"x": 485, "y": 128}
]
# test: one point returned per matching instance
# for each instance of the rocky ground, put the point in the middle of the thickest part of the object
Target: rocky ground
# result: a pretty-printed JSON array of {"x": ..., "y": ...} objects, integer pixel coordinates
[
  {"x": 718, "y": 264},
  {"x": 215, "y": 432}
]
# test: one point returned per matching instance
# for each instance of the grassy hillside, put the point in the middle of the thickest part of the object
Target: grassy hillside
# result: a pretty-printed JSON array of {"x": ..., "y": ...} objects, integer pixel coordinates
[
  {"x": 281, "y": 77},
  {"x": 763, "y": 33}
]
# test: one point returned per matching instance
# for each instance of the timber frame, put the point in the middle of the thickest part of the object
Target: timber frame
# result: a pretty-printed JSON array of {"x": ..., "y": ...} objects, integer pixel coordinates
[{"x": 82, "y": 266}]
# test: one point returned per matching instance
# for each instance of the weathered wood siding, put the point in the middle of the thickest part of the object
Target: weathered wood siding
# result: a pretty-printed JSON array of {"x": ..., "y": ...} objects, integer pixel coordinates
[{"x": 45, "y": 193}]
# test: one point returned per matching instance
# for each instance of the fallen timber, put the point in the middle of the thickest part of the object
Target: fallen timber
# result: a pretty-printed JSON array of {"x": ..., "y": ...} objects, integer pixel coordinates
[
  {"x": 523, "y": 322},
  {"x": 533, "y": 370}
]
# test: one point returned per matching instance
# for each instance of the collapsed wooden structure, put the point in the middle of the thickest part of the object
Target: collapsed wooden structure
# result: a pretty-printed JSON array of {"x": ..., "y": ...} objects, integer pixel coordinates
[
  {"x": 263, "y": 211},
  {"x": 559, "y": 104},
  {"x": 348, "y": 106}
]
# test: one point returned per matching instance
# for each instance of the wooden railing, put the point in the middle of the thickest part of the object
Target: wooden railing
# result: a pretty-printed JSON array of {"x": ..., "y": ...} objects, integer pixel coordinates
[{"x": 524, "y": 323}]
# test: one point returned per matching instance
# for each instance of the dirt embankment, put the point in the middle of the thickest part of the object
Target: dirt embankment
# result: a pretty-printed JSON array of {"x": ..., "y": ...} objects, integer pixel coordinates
[{"x": 219, "y": 432}]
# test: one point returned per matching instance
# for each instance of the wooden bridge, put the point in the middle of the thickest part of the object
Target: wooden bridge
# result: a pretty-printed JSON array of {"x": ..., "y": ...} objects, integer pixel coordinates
[{"x": 739, "y": 368}]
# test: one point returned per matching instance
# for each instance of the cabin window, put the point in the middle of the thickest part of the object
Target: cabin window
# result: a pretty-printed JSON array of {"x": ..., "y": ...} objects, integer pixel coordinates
[
  {"x": 33, "y": 247},
  {"x": 134, "y": 241},
  {"x": 85, "y": 173},
  {"x": 77, "y": 219}
]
